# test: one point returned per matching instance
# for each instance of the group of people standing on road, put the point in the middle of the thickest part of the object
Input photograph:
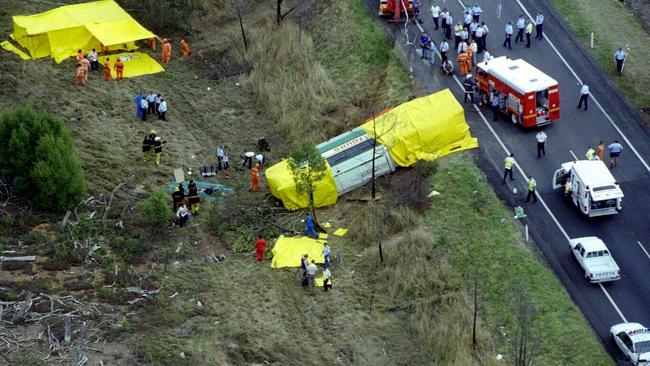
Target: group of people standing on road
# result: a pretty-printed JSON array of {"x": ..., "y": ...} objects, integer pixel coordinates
[{"x": 524, "y": 27}]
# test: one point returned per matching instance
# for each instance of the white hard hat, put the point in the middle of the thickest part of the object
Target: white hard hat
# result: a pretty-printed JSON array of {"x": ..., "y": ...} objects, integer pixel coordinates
[
  {"x": 469, "y": 76},
  {"x": 157, "y": 138}
]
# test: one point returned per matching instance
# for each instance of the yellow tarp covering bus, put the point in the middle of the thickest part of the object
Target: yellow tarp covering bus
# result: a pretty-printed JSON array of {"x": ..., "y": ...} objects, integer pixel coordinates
[
  {"x": 280, "y": 181},
  {"x": 60, "y": 32},
  {"x": 425, "y": 128},
  {"x": 288, "y": 251}
]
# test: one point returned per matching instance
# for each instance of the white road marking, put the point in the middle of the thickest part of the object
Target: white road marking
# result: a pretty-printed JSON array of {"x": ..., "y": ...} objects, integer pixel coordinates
[
  {"x": 520, "y": 169},
  {"x": 644, "y": 251},
  {"x": 611, "y": 121},
  {"x": 574, "y": 155}
]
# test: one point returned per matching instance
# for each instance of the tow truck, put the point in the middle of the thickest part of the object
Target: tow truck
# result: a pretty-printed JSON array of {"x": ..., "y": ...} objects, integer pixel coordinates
[{"x": 529, "y": 97}]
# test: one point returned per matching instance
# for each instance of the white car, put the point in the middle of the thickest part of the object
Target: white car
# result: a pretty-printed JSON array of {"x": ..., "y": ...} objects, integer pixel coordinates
[
  {"x": 634, "y": 340},
  {"x": 595, "y": 259}
]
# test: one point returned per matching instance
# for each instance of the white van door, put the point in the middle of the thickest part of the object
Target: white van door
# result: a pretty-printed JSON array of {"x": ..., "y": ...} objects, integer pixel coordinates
[{"x": 559, "y": 178}]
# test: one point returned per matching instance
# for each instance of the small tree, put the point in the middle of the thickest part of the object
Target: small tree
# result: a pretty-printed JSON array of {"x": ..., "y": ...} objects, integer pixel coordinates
[
  {"x": 308, "y": 168},
  {"x": 156, "y": 211}
]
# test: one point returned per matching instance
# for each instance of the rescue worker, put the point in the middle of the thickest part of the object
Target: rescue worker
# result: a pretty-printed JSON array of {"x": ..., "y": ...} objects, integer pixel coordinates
[
  {"x": 529, "y": 32},
  {"x": 447, "y": 68},
  {"x": 309, "y": 227},
  {"x": 107, "y": 70},
  {"x": 424, "y": 46},
  {"x": 619, "y": 57},
  {"x": 327, "y": 279},
  {"x": 79, "y": 76},
  {"x": 508, "y": 40},
  {"x": 614, "y": 153},
  {"x": 532, "y": 184},
  {"x": 194, "y": 200},
  {"x": 166, "y": 51},
  {"x": 567, "y": 188},
  {"x": 468, "y": 86},
  {"x": 220, "y": 153},
  {"x": 226, "y": 166},
  {"x": 183, "y": 215},
  {"x": 185, "y": 48},
  {"x": 86, "y": 66},
  {"x": 590, "y": 153},
  {"x": 248, "y": 159},
  {"x": 508, "y": 163},
  {"x": 260, "y": 248},
  {"x": 119, "y": 69},
  {"x": 157, "y": 148},
  {"x": 144, "y": 107},
  {"x": 521, "y": 24},
  {"x": 476, "y": 12},
  {"x": 458, "y": 29},
  {"x": 600, "y": 151},
  {"x": 146, "y": 147},
  {"x": 584, "y": 96},
  {"x": 539, "y": 25},
  {"x": 541, "y": 143},
  {"x": 191, "y": 185},
  {"x": 463, "y": 60},
  {"x": 151, "y": 43},
  {"x": 326, "y": 255},
  {"x": 495, "y": 106},
  {"x": 435, "y": 13},
  {"x": 177, "y": 198},
  {"x": 94, "y": 60},
  {"x": 162, "y": 110},
  {"x": 444, "y": 49},
  {"x": 255, "y": 180}
]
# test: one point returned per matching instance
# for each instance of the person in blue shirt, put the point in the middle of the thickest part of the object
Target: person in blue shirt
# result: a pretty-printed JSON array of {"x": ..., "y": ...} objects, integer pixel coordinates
[
  {"x": 619, "y": 56},
  {"x": 138, "y": 104},
  {"x": 310, "y": 230},
  {"x": 614, "y": 152},
  {"x": 424, "y": 45}
]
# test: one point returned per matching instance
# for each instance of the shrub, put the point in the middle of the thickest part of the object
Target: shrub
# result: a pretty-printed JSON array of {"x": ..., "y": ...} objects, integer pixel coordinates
[
  {"x": 155, "y": 210},
  {"x": 39, "y": 159},
  {"x": 130, "y": 250}
]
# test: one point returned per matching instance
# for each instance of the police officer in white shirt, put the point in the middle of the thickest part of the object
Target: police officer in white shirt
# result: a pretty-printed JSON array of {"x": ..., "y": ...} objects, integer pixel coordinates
[
  {"x": 478, "y": 35},
  {"x": 476, "y": 12},
  {"x": 521, "y": 24},
  {"x": 619, "y": 56},
  {"x": 467, "y": 20},
  {"x": 444, "y": 49},
  {"x": 509, "y": 32},
  {"x": 541, "y": 142},
  {"x": 584, "y": 96},
  {"x": 539, "y": 25}
]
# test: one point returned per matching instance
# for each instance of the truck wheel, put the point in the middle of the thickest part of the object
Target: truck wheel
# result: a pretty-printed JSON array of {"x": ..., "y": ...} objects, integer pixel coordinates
[{"x": 513, "y": 118}]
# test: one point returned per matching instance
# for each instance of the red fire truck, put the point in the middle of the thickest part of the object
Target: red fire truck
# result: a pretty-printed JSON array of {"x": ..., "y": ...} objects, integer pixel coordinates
[
  {"x": 527, "y": 96},
  {"x": 395, "y": 8}
]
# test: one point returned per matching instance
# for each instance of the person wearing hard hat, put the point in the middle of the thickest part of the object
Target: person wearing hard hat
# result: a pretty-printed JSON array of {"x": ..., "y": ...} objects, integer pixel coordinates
[
  {"x": 177, "y": 198},
  {"x": 468, "y": 86},
  {"x": 157, "y": 148}
]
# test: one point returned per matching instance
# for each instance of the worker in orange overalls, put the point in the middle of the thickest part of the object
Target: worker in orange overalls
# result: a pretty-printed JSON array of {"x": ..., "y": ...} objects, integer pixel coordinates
[
  {"x": 462, "y": 63},
  {"x": 119, "y": 69},
  {"x": 107, "y": 70},
  {"x": 79, "y": 79},
  {"x": 185, "y": 48},
  {"x": 86, "y": 65},
  {"x": 255, "y": 181},
  {"x": 166, "y": 51},
  {"x": 151, "y": 42}
]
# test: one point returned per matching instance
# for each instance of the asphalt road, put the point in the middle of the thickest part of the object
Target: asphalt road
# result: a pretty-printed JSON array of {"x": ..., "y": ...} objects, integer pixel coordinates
[{"x": 553, "y": 219}]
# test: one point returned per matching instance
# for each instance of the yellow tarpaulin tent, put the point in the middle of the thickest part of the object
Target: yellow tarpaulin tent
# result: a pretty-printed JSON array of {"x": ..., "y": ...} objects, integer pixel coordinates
[
  {"x": 280, "y": 181},
  {"x": 60, "y": 32},
  {"x": 425, "y": 128},
  {"x": 11, "y": 48},
  {"x": 288, "y": 251},
  {"x": 135, "y": 64}
]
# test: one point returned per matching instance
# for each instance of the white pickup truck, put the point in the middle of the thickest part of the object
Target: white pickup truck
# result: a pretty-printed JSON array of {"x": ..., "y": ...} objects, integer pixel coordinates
[{"x": 595, "y": 259}]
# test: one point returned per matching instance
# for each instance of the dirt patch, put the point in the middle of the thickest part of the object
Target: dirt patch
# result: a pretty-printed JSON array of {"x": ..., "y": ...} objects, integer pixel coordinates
[{"x": 641, "y": 9}]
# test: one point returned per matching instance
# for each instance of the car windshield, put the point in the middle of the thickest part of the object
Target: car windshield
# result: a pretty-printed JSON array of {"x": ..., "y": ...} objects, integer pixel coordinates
[
  {"x": 604, "y": 188},
  {"x": 642, "y": 347}
]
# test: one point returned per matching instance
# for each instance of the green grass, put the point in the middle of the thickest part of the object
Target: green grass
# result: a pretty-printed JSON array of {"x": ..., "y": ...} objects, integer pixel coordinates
[
  {"x": 614, "y": 25},
  {"x": 466, "y": 223}
]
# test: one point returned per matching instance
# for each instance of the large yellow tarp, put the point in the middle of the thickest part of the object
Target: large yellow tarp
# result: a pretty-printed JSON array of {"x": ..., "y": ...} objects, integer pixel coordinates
[
  {"x": 60, "y": 32},
  {"x": 11, "y": 48},
  {"x": 425, "y": 128},
  {"x": 135, "y": 64},
  {"x": 280, "y": 181},
  {"x": 288, "y": 251}
]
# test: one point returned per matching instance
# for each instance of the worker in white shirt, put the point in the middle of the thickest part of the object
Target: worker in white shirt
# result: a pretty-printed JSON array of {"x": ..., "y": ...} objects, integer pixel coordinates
[
  {"x": 450, "y": 23},
  {"x": 508, "y": 32},
  {"x": 486, "y": 30},
  {"x": 443, "y": 21},
  {"x": 144, "y": 106},
  {"x": 487, "y": 56},
  {"x": 248, "y": 159},
  {"x": 444, "y": 49},
  {"x": 464, "y": 36},
  {"x": 435, "y": 13},
  {"x": 521, "y": 24},
  {"x": 476, "y": 12},
  {"x": 584, "y": 96},
  {"x": 467, "y": 18},
  {"x": 619, "y": 56},
  {"x": 478, "y": 36},
  {"x": 539, "y": 24},
  {"x": 259, "y": 158},
  {"x": 93, "y": 57},
  {"x": 472, "y": 29},
  {"x": 162, "y": 109},
  {"x": 541, "y": 143}
]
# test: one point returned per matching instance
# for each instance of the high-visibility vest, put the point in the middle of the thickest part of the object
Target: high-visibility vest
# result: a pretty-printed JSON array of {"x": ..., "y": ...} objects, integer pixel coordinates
[
  {"x": 509, "y": 162},
  {"x": 590, "y": 154},
  {"x": 531, "y": 184},
  {"x": 529, "y": 28},
  {"x": 458, "y": 28},
  {"x": 326, "y": 275}
]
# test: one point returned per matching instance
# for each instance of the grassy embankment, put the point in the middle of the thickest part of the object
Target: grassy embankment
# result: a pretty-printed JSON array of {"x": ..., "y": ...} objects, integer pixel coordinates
[{"x": 614, "y": 25}]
